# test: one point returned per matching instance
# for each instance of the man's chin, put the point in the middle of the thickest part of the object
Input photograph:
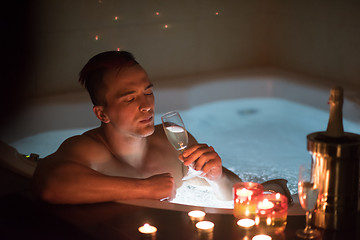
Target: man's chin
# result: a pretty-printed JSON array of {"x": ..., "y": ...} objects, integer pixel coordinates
[{"x": 148, "y": 131}]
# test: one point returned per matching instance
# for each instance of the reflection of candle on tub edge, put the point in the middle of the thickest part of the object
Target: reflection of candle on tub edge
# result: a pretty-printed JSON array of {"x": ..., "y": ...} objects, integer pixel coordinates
[
  {"x": 277, "y": 196},
  {"x": 147, "y": 229},
  {"x": 205, "y": 226},
  {"x": 196, "y": 215},
  {"x": 261, "y": 237},
  {"x": 246, "y": 223}
]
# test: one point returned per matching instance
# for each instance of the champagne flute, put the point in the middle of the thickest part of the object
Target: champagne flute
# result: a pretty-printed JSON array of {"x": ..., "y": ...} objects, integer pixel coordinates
[
  {"x": 308, "y": 192},
  {"x": 177, "y": 135}
]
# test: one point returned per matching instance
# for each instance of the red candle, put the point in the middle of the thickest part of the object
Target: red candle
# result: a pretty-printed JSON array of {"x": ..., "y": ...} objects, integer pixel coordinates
[
  {"x": 271, "y": 212},
  {"x": 245, "y": 194}
]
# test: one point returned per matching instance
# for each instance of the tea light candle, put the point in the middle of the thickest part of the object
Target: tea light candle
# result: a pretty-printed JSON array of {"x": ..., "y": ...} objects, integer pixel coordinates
[
  {"x": 196, "y": 215},
  {"x": 246, "y": 223},
  {"x": 147, "y": 229},
  {"x": 261, "y": 237},
  {"x": 244, "y": 193},
  {"x": 271, "y": 213},
  {"x": 265, "y": 204},
  {"x": 245, "y": 199},
  {"x": 205, "y": 226}
]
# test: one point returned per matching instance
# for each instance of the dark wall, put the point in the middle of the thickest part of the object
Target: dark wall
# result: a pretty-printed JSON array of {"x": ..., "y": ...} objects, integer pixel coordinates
[{"x": 16, "y": 56}]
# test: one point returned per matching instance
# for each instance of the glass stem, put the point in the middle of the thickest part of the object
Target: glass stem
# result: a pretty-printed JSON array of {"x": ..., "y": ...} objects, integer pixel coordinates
[{"x": 308, "y": 221}]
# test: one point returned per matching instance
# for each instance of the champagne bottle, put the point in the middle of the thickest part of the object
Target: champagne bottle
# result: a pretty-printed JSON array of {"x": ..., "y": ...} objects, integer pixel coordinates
[{"x": 335, "y": 125}]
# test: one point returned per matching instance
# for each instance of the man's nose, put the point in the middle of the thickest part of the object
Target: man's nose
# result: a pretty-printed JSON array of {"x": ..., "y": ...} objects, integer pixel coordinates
[
  {"x": 145, "y": 108},
  {"x": 145, "y": 105}
]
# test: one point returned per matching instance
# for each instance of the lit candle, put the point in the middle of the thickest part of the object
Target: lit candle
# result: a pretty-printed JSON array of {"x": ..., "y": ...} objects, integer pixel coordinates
[
  {"x": 271, "y": 213},
  {"x": 244, "y": 193},
  {"x": 245, "y": 199},
  {"x": 196, "y": 215},
  {"x": 265, "y": 204},
  {"x": 261, "y": 237},
  {"x": 246, "y": 223},
  {"x": 205, "y": 226},
  {"x": 147, "y": 229}
]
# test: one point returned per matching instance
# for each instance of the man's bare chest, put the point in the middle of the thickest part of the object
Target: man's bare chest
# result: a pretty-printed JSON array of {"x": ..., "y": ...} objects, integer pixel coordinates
[{"x": 154, "y": 162}]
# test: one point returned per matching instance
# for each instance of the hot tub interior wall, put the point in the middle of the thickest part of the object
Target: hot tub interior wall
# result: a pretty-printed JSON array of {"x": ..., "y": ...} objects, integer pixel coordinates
[{"x": 48, "y": 41}]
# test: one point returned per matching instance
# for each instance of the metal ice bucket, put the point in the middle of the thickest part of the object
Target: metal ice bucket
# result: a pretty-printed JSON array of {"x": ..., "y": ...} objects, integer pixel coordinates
[{"x": 336, "y": 168}]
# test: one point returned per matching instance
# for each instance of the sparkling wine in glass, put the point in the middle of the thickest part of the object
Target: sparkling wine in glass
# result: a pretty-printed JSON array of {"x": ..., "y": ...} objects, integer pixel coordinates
[
  {"x": 308, "y": 192},
  {"x": 178, "y": 137}
]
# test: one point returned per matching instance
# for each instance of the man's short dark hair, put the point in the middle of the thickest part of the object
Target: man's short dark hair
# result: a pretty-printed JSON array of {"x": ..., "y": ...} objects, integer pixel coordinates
[{"x": 92, "y": 74}]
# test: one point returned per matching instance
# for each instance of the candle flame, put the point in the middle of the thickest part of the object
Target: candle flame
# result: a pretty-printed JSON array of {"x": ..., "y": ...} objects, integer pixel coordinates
[
  {"x": 147, "y": 229},
  {"x": 244, "y": 192},
  {"x": 265, "y": 204}
]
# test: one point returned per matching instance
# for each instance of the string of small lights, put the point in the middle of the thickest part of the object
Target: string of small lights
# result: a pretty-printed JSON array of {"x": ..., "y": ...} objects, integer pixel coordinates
[{"x": 164, "y": 26}]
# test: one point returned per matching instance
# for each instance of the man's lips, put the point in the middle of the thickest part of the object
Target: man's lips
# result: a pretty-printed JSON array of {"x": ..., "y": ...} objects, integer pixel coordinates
[{"x": 147, "y": 120}]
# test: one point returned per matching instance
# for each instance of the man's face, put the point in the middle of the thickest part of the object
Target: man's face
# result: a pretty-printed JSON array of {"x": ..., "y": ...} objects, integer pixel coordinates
[{"x": 130, "y": 101}]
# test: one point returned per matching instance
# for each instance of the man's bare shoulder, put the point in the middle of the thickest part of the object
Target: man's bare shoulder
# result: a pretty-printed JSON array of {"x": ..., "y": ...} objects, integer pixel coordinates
[
  {"x": 85, "y": 140},
  {"x": 84, "y": 148}
]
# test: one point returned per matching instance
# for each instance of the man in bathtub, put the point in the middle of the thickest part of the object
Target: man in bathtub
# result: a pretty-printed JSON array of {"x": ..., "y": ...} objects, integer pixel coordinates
[{"x": 126, "y": 157}]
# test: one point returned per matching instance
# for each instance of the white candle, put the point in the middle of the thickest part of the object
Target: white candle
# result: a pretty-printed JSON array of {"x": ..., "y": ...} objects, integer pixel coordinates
[
  {"x": 265, "y": 204},
  {"x": 196, "y": 215},
  {"x": 205, "y": 226},
  {"x": 147, "y": 229},
  {"x": 243, "y": 192},
  {"x": 246, "y": 223},
  {"x": 261, "y": 237}
]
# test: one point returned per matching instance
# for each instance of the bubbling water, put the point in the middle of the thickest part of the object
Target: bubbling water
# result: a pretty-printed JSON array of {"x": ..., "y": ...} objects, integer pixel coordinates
[{"x": 259, "y": 139}]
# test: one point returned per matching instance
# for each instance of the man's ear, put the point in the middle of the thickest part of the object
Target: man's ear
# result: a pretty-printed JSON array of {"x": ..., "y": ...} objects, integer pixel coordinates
[{"x": 99, "y": 112}]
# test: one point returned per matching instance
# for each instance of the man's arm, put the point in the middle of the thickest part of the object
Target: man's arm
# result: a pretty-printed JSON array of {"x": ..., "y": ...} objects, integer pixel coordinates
[
  {"x": 61, "y": 181},
  {"x": 72, "y": 183},
  {"x": 223, "y": 185}
]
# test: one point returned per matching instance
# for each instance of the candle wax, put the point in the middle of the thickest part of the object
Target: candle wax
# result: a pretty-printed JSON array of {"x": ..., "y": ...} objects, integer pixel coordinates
[
  {"x": 261, "y": 237},
  {"x": 246, "y": 223},
  {"x": 196, "y": 215},
  {"x": 205, "y": 225}
]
